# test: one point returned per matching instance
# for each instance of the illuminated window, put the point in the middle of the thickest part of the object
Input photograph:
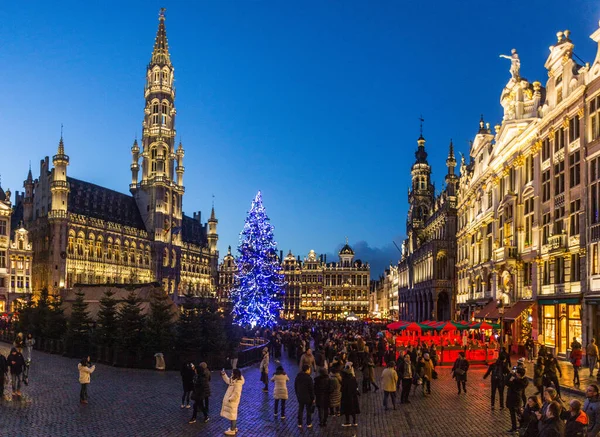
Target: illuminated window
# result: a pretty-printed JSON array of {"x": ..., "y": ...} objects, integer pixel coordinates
[
  {"x": 574, "y": 128},
  {"x": 574, "y": 169},
  {"x": 3, "y": 227},
  {"x": 559, "y": 177}
]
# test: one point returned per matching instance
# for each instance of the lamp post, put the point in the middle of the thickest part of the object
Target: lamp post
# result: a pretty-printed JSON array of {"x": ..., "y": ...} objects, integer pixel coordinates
[{"x": 500, "y": 307}]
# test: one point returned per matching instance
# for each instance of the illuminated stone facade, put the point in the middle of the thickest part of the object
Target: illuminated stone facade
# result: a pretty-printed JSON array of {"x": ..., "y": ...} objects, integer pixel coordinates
[
  {"x": 426, "y": 274},
  {"x": 383, "y": 297},
  {"x": 319, "y": 290},
  {"x": 86, "y": 234},
  {"x": 524, "y": 235},
  {"x": 227, "y": 271}
]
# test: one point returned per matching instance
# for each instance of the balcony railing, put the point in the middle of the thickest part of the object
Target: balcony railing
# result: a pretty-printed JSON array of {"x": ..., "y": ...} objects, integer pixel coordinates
[{"x": 557, "y": 242}]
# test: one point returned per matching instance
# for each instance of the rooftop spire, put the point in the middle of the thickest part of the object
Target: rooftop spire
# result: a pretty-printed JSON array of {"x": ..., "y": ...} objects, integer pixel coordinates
[
  {"x": 421, "y": 120},
  {"x": 451, "y": 161},
  {"x": 160, "y": 55},
  {"x": 61, "y": 144},
  {"x": 29, "y": 175}
]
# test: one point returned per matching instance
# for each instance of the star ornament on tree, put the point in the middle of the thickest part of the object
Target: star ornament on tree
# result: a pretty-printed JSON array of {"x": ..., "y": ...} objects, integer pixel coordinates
[{"x": 258, "y": 279}]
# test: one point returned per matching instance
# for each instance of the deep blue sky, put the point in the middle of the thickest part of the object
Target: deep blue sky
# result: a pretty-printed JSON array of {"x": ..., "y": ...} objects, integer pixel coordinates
[{"x": 314, "y": 103}]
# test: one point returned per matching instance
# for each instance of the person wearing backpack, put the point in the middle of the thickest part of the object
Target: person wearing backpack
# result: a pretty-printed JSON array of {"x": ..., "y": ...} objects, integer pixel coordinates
[{"x": 499, "y": 370}]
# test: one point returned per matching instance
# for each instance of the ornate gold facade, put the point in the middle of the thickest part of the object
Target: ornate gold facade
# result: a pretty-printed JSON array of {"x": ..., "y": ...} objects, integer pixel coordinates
[{"x": 86, "y": 234}]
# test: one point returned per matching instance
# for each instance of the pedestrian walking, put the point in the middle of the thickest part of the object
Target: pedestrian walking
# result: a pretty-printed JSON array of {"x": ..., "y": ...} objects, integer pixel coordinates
[
  {"x": 499, "y": 371},
  {"x": 308, "y": 359},
  {"x": 575, "y": 358},
  {"x": 305, "y": 393},
  {"x": 529, "y": 343},
  {"x": 552, "y": 371},
  {"x": 516, "y": 384},
  {"x": 29, "y": 343},
  {"x": 538, "y": 375},
  {"x": 200, "y": 395},
  {"x": 406, "y": 372},
  {"x": 335, "y": 398},
  {"x": 19, "y": 342},
  {"x": 16, "y": 364},
  {"x": 591, "y": 407},
  {"x": 85, "y": 368},
  {"x": 3, "y": 371},
  {"x": 231, "y": 400},
  {"x": 350, "y": 406},
  {"x": 529, "y": 421},
  {"x": 264, "y": 369},
  {"x": 369, "y": 374},
  {"x": 389, "y": 383},
  {"x": 188, "y": 372},
  {"x": 426, "y": 372},
  {"x": 577, "y": 420},
  {"x": 280, "y": 392},
  {"x": 323, "y": 389},
  {"x": 233, "y": 357},
  {"x": 592, "y": 356},
  {"x": 459, "y": 371}
]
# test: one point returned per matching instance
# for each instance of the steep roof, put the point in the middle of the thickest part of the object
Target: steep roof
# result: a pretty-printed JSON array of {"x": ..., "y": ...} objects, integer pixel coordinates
[
  {"x": 102, "y": 203},
  {"x": 192, "y": 231}
]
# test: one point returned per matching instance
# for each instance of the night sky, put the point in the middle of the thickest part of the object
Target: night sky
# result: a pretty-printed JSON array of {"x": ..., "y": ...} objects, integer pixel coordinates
[{"x": 315, "y": 103}]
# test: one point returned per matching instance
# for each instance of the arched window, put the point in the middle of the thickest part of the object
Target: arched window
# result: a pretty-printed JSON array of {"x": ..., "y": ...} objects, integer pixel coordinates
[
  {"x": 173, "y": 258},
  {"x": 153, "y": 155},
  {"x": 71, "y": 246},
  {"x": 155, "y": 113},
  {"x": 166, "y": 258},
  {"x": 165, "y": 113},
  {"x": 117, "y": 248}
]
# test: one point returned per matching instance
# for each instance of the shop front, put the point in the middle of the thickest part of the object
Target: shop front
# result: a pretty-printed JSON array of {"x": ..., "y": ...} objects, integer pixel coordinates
[{"x": 560, "y": 323}]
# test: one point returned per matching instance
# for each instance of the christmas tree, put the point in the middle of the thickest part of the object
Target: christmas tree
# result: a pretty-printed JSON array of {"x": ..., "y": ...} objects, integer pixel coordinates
[{"x": 258, "y": 282}]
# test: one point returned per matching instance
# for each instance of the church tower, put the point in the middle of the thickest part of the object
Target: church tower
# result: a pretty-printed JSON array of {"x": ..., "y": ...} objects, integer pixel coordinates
[
  {"x": 451, "y": 177},
  {"x": 421, "y": 193},
  {"x": 159, "y": 192},
  {"x": 28, "y": 200},
  {"x": 212, "y": 232}
]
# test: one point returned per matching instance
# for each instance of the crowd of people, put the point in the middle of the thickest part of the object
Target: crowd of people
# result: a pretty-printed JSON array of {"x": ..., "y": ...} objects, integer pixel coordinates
[{"x": 14, "y": 368}]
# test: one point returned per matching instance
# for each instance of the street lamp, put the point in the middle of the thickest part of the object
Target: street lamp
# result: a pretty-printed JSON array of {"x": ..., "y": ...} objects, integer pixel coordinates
[{"x": 500, "y": 307}]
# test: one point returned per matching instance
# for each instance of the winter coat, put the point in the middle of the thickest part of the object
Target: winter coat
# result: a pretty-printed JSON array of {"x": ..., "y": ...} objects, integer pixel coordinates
[
  {"x": 427, "y": 369},
  {"x": 264, "y": 364},
  {"x": 498, "y": 370},
  {"x": 187, "y": 377},
  {"x": 280, "y": 391},
  {"x": 576, "y": 426},
  {"x": 350, "y": 395},
  {"x": 554, "y": 427},
  {"x": 369, "y": 371},
  {"x": 304, "y": 388},
  {"x": 401, "y": 369},
  {"x": 15, "y": 363},
  {"x": 592, "y": 350},
  {"x": 463, "y": 364},
  {"x": 335, "y": 398},
  {"x": 389, "y": 379},
  {"x": 514, "y": 395},
  {"x": 323, "y": 388},
  {"x": 84, "y": 373},
  {"x": 576, "y": 355},
  {"x": 201, "y": 387},
  {"x": 309, "y": 360},
  {"x": 591, "y": 407},
  {"x": 3, "y": 366},
  {"x": 538, "y": 374},
  {"x": 529, "y": 421},
  {"x": 231, "y": 400},
  {"x": 551, "y": 367}
]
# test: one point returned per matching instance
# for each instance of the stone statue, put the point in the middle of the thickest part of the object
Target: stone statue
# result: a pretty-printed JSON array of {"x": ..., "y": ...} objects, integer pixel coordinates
[{"x": 515, "y": 64}]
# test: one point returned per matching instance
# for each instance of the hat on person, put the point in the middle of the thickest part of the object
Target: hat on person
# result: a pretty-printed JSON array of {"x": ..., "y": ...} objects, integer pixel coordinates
[
  {"x": 265, "y": 349},
  {"x": 521, "y": 360},
  {"x": 426, "y": 355}
]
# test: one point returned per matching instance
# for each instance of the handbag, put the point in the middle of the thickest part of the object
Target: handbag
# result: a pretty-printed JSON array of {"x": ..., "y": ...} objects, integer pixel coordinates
[
  {"x": 458, "y": 371},
  {"x": 434, "y": 374}
]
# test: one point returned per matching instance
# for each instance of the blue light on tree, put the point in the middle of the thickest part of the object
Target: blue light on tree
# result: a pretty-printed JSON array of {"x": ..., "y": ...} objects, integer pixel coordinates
[{"x": 258, "y": 284}]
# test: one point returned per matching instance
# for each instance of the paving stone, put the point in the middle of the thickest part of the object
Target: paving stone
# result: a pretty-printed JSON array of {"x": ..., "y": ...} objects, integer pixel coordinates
[{"x": 131, "y": 402}]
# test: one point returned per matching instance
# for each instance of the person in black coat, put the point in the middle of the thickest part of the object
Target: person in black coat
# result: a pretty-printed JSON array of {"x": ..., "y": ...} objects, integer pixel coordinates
[
  {"x": 305, "y": 393},
  {"x": 459, "y": 371},
  {"x": 350, "y": 393},
  {"x": 516, "y": 384},
  {"x": 499, "y": 370},
  {"x": 3, "y": 370},
  {"x": 323, "y": 388},
  {"x": 552, "y": 371},
  {"x": 16, "y": 364},
  {"x": 201, "y": 392},
  {"x": 406, "y": 372},
  {"x": 529, "y": 420},
  {"x": 552, "y": 426},
  {"x": 188, "y": 372}
]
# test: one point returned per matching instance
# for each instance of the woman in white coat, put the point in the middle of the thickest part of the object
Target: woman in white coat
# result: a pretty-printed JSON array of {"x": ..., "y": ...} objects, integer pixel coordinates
[
  {"x": 280, "y": 392},
  {"x": 231, "y": 400}
]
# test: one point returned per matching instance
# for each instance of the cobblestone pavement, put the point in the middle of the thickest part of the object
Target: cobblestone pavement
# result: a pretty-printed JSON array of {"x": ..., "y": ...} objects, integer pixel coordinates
[
  {"x": 566, "y": 380},
  {"x": 126, "y": 402}
]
